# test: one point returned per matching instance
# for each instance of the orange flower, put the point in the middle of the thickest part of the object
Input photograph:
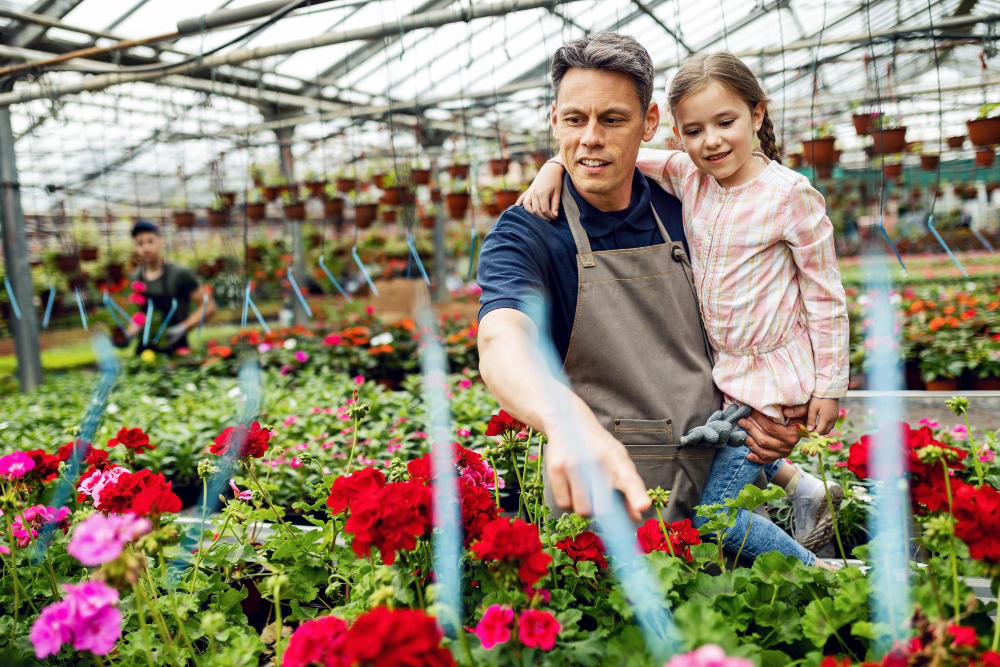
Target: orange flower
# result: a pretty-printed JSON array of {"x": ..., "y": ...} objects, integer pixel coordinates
[
  {"x": 968, "y": 314},
  {"x": 407, "y": 324},
  {"x": 220, "y": 351},
  {"x": 931, "y": 305},
  {"x": 948, "y": 310},
  {"x": 936, "y": 323},
  {"x": 993, "y": 305},
  {"x": 916, "y": 306}
]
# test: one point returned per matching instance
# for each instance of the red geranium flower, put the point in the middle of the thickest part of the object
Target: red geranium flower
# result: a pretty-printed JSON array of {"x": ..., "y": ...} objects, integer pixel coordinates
[
  {"x": 681, "y": 533},
  {"x": 503, "y": 424},
  {"x": 977, "y": 513},
  {"x": 585, "y": 546},
  {"x": 348, "y": 488},
  {"x": 46, "y": 466},
  {"x": 515, "y": 543},
  {"x": 142, "y": 493},
  {"x": 396, "y": 638},
  {"x": 243, "y": 440},
  {"x": 132, "y": 439},
  {"x": 320, "y": 640},
  {"x": 478, "y": 509},
  {"x": 390, "y": 519},
  {"x": 65, "y": 453}
]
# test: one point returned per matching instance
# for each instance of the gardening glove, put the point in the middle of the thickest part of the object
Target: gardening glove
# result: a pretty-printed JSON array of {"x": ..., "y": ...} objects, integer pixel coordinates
[
  {"x": 175, "y": 333},
  {"x": 720, "y": 428}
]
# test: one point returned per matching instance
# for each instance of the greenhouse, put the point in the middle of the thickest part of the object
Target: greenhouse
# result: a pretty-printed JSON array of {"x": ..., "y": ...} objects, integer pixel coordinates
[{"x": 377, "y": 333}]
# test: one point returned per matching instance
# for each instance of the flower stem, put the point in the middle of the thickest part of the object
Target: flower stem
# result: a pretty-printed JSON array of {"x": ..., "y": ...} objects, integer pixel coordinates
[
  {"x": 173, "y": 606},
  {"x": 972, "y": 446},
  {"x": 666, "y": 535},
  {"x": 496, "y": 484},
  {"x": 277, "y": 620},
  {"x": 142, "y": 625},
  {"x": 354, "y": 444},
  {"x": 951, "y": 540},
  {"x": 833, "y": 511},
  {"x": 158, "y": 617},
  {"x": 277, "y": 516},
  {"x": 743, "y": 543},
  {"x": 194, "y": 571},
  {"x": 996, "y": 635},
  {"x": 521, "y": 501},
  {"x": 17, "y": 584}
]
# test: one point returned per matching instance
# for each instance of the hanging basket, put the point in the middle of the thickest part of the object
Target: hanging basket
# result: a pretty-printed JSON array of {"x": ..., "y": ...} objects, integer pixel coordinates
[
  {"x": 295, "y": 211},
  {"x": 378, "y": 180},
  {"x": 492, "y": 208},
  {"x": 255, "y": 212},
  {"x": 929, "y": 162},
  {"x": 271, "y": 193},
  {"x": 499, "y": 166},
  {"x": 115, "y": 272},
  {"x": 397, "y": 196},
  {"x": 67, "y": 263},
  {"x": 459, "y": 171},
  {"x": 421, "y": 176},
  {"x": 863, "y": 123},
  {"x": 316, "y": 189},
  {"x": 333, "y": 208},
  {"x": 436, "y": 196},
  {"x": 89, "y": 253},
  {"x": 956, "y": 142},
  {"x": 427, "y": 221},
  {"x": 457, "y": 203},
  {"x": 364, "y": 214},
  {"x": 887, "y": 142},
  {"x": 218, "y": 218},
  {"x": 892, "y": 171},
  {"x": 388, "y": 214},
  {"x": 506, "y": 198},
  {"x": 347, "y": 184},
  {"x": 184, "y": 219},
  {"x": 794, "y": 160},
  {"x": 818, "y": 151},
  {"x": 985, "y": 157},
  {"x": 824, "y": 172},
  {"x": 229, "y": 198},
  {"x": 984, "y": 131}
]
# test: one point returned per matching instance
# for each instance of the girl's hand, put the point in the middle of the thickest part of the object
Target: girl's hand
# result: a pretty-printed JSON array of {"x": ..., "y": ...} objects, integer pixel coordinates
[
  {"x": 542, "y": 196},
  {"x": 822, "y": 414}
]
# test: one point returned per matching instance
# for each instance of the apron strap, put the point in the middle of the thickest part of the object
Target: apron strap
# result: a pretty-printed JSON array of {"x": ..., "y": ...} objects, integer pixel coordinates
[
  {"x": 663, "y": 230},
  {"x": 573, "y": 218}
]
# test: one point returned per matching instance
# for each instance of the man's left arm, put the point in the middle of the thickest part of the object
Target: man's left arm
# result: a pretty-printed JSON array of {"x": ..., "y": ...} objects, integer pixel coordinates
[
  {"x": 768, "y": 440},
  {"x": 209, "y": 306}
]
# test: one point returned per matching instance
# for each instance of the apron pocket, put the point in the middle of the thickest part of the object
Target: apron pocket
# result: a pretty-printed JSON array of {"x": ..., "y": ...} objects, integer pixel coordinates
[{"x": 644, "y": 431}]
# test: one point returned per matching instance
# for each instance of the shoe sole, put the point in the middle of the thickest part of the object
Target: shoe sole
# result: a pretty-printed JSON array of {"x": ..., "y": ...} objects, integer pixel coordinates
[{"x": 822, "y": 532}]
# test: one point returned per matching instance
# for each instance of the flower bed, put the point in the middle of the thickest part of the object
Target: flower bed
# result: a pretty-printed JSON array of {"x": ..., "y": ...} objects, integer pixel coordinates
[{"x": 120, "y": 581}]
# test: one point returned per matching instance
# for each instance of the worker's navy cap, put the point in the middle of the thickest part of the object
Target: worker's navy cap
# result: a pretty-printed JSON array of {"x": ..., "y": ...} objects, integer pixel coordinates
[{"x": 144, "y": 226}]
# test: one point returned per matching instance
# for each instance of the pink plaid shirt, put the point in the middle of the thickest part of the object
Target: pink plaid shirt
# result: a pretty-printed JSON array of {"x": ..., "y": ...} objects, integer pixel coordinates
[{"x": 767, "y": 279}]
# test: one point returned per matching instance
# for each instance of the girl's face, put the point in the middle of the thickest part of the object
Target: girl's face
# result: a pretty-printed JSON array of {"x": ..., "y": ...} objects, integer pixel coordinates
[{"x": 717, "y": 129}]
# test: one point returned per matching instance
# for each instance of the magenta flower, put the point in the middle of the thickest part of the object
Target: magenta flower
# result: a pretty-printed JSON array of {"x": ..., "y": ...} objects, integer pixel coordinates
[
  {"x": 986, "y": 454},
  {"x": 929, "y": 422},
  {"x": 137, "y": 298},
  {"x": 100, "y": 539},
  {"x": 960, "y": 432},
  {"x": 87, "y": 617},
  {"x": 242, "y": 495},
  {"x": 538, "y": 628},
  {"x": 16, "y": 465},
  {"x": 709, "y": 655},
  {"x": 138, "y": 286},
  {"x": 26, "y": 525},
  {"x": 301, "y": 356},
  {"x": 494, "y": 627},
  {"x": 289, "y": 420},
  {"x": 359, "y": 379},
  {"x": 465, "y": 383},
  {"x": 93, "y": 485},
  {"x": 264, "y": 348}
]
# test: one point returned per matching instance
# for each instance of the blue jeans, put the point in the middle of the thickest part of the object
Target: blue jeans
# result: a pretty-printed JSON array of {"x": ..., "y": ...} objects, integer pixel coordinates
[{"x": 730, "y": 473}]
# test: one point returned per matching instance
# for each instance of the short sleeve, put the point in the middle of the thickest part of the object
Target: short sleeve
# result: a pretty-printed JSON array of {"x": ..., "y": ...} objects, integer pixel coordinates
[
  {"x": 670, "y": 169},
  {"x": 512, "y": 263}
]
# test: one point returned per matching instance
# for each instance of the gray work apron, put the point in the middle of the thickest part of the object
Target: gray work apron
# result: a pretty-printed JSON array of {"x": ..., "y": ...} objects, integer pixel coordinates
[{"x": 639, "y": 358}]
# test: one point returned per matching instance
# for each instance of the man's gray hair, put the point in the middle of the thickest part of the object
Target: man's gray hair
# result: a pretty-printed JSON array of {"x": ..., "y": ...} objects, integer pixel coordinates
[{"x": 609, "y": 51}]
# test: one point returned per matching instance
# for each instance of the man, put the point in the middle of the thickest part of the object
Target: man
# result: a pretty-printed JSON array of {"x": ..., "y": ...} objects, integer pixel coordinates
[
  {"x": 164, "y": 282},
  {"x": 622, "y": 312}
]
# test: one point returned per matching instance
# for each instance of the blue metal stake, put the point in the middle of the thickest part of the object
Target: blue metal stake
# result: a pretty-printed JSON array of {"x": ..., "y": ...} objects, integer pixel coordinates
[
  {"x": 364, "y": 271},
  {"x": 295, "y": 286},
  {"x": 333, "y": 280},
  {"x": 83, "y": 313},
  {"x": 260, "y": 318},
  {"x": 472, "y": 255},
  {"x": 13, "y": 299},
  {"x": 149, "y": 322},
  {"x": 108, "y": 301},
  {"x": 934, "y": 231},
  {"x": 166, "y": 321},
  {"x": 48, "y": 307},
  {"x": 413, "y": 252},
  {"x": 246, "y": 304},
  {"x": 982, "y": 239},
  {"x": 893, "y": 246}
]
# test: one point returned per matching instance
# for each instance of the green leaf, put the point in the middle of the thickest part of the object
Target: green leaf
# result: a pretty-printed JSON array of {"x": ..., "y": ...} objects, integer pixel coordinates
[
  {"x": 586, "y": 570},
  {"x": 870, "y": 631},
  {"x": 820, "y": 621},
  {"x": 751, "y": 497}
]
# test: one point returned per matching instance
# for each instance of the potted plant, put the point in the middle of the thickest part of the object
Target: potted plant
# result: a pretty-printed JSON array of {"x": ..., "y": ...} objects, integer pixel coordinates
[
  {"x": 499, "y": 166},
  {"x": 255, "y": 208},
  {"x": 985, "y": 156},
  {"x": 459, "y": 167},
  {"x": 388, "y": 214},
  {"x": 395, "y": 194},
  {"x": 420, "y": 173},
  {"x": 489, "y": 202},
  {"x": 888, "y": 136},
  {"x": 275, "y": 183},
  {"x": 346, "y": 179},
  {"x": 892, "y": 170},
  {"x": 257, "y": 175},
  {"x": 183, "y": 218},
  {"x": 295, "y": 208},
  {"x": 941, "y": 364},
  {"x": 218, "y": 213},
  {"x": 506, "y": 198},
  {"x": 984, "y": 129},
  {"x": 863, "y": 120},
  {"x": 457, "y": 200},
  {"x": 315, "y": 185},
  {"x": 819, "y": 149},
  {"x": 365, "y": 209},
  {"x": 436, "y": 196},
  {"x": 428, "y": 216},
  {"x": 229, "y": 197},
  {"x": 929, "y": 161},
  {"x": 333, "y": 204},
  {"x": 984, "y": 363},
  {"x": 956, "y": 142},
  {"x": 794, "y": 160}
]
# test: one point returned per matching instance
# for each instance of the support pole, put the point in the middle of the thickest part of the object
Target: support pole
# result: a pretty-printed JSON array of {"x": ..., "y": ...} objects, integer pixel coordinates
[
  {"x": 440, "y": 259},
  {"x": 293, "y": 230},
  {"x": 15, "y": 250}
]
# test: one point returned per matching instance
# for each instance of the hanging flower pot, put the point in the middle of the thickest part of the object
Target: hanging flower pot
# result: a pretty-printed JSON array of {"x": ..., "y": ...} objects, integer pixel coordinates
[
  {"x": 457, "y": 203},
  {"x": 184, "y": 219},
  {"x": 818, "y": 151},
  {"x": 984, "y": 131},
  {"x": 333, "y": 208},
  {"x": 929, "y": 162},
  {"x": 316, "y": 189},
  {"x": 228, "y": 197},
  {"x": 492, "y": 208},
  {"x": 892, "y": 171},
  {"x": 89, "y": 253},
  {"x": 985, "y": 157},
  {"x": 956, "y": 142},
  {"x": 364, "y": 214},
  {"x": 459, "y": 171},
  {"x": 507, "y": 198},
  {"x": 347, "y": 184},
  {"x": 78, "y": 282},
  {"x": 315, "y": 239},
  {"x": 378, "y": 180},
  {"x": 436, "y": 196},
  {"x": 254, "y": 254},
  {"x": 388, "y": 214},
  {"x": 886, "y": 142},
  {"x": 499, "y": 166},
  {"x": 255, "y": 212},
  {"x": 863, "y": 122},
  {"x": 67, "y": 263},
  {"x": 218, "y": 218},
  {"x": 398, "y": 196},
  {"x": 295, "y": 211},
  {"x": 824, "y": 172},
  {"x": 427, "y": 221},
  {"x": 794, "y": 160},
  {"x": 421, "y": 176},
  {"x": 271, "y": 193},
  {"x": 114, "y": 271}
]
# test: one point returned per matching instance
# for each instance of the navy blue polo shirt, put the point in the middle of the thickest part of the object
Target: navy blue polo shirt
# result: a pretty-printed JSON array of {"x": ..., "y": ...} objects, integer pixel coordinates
[{"x": 524, "y": 255}]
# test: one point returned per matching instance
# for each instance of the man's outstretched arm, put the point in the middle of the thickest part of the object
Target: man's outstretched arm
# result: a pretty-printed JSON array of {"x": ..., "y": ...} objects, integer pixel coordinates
[{"x": 516, "y": 373}]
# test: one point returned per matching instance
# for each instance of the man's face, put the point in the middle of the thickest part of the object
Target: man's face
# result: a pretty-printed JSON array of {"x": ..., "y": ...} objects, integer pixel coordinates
[
  {"x": 148, "y": 246},
  {"x": 599, "y": 124}
]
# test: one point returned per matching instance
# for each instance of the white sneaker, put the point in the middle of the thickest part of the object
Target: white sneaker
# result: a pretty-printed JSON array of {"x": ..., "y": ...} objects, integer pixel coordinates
[{"x": 812, "y": 522}]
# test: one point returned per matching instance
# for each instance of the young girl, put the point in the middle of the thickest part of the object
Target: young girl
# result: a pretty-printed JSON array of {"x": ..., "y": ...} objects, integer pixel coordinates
[{"x": 765, "y": 271}]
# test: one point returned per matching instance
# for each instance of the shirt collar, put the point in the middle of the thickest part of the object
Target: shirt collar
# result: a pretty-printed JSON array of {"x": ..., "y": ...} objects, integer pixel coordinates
[{"x": 598, "y": 223}]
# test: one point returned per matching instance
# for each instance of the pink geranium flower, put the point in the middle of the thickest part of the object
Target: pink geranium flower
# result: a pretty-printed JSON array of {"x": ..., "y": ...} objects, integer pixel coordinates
[
  {"x": 359, "y": 379},
  {"x": 139, "y": 319},
  {"x": 100, "y": 539},
  {"x": 960, "y": 432},
  {"x": 301, "y": 356},
  {"x": 538, "y": 628},
  {"x": 929, "y": 423},
  {"x": 494, "y": 627},
  {"x": 986, "y": 454},
  {"x": 93, "y": 485},
  {"x": 138, "y": 286},
  {"x": 16, "y": 465},
  {"x": 87, "y": 617},
  {"x": 709, "y": 655},
  {"x": 242, "y": 495},
  {"x": 465, "y": 383},
  {"x": 463, "y": 433},
  {"x": 289, "y": 420}
]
